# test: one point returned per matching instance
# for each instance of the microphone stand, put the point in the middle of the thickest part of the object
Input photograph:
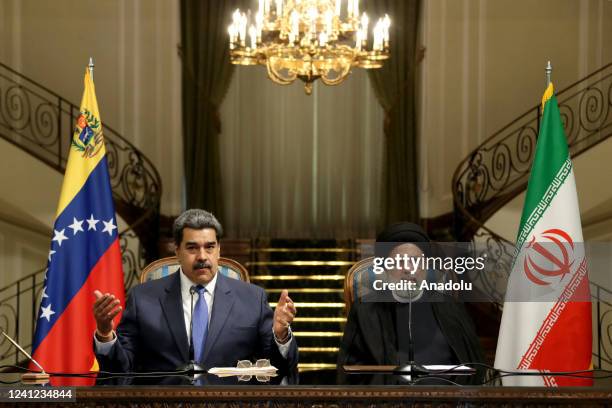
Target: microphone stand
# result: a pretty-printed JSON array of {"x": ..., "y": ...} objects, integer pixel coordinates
[
  {"x": 29, "y": 378},
  {"x": 411, "y": 368}
]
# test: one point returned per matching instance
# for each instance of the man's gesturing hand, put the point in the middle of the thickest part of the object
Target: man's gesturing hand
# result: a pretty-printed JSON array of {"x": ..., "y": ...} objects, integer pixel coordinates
[
  {"x": 105, "y": 308},
  {"x": 283, "y": 316}
]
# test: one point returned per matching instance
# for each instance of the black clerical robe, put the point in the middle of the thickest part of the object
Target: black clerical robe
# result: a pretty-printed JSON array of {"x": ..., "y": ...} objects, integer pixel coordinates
[{"x": 371, "y": 334}]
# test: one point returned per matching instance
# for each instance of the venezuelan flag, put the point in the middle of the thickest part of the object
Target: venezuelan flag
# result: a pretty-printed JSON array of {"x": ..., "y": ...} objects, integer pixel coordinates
[{"x": 84, "y": 254}]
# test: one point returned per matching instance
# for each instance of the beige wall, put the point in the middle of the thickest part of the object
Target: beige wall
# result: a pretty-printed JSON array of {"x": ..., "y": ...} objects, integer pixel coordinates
[
  {"x": 23, "y": 250},
  {"x": 137, "y": 74},
  {"x": 484, "y": 66}
]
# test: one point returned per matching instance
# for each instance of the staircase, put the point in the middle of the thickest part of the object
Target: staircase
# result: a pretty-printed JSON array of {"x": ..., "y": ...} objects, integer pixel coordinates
[
  {"x": 313, "y": 272},
  {"x": 497, "y": 171}
]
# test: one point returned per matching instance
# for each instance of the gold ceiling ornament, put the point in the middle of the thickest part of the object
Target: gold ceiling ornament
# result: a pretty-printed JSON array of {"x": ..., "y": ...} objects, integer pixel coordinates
[{"x": 308, "y": 40}]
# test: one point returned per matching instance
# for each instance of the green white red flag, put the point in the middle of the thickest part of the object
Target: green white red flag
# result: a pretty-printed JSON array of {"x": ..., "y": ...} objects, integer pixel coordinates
[{"x": 552, "y": 331}]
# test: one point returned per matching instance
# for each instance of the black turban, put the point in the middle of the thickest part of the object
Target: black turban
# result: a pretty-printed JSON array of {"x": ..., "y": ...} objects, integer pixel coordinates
[{"x": 405, "y": 232}]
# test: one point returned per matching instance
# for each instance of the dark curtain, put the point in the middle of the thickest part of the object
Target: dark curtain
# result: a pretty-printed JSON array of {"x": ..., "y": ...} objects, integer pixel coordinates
[
  {"x": 394, "y": 86},
  {"x": 206, "y": 74}
]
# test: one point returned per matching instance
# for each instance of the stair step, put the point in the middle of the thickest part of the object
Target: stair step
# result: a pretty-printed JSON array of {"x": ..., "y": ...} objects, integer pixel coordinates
[
  {"x": 290, "y": 271},
  {"x": 313, "y": 272},
  {"x": 302, "y": 278},
  {"x": 315, "y": 250},
  {"x": 302, "y": 263},
  {"x": 319, "y": 358},
  {"x": 307, "y": 290},
  {"x": 319, "y": 320},
  {"x": 281, "y": 284},
  {"x": 314, "y": 304},
  {"x": 310, "y": 297},
  {"x": 304, "y": 254},
  {"x": 311, "y": 326},
  {"x": 329, "y": 341},
  {"x": 308, "y": 350},
  {"x": 317, "y": 334},
  {"x": 302, "y": 367}
]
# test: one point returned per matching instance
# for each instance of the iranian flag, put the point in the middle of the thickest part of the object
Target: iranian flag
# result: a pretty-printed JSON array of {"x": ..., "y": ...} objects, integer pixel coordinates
[{"x": 546, "y": 320}]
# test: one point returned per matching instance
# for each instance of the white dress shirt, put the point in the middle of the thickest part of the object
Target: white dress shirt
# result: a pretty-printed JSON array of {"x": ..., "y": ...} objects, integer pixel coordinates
[
  {"x": 104, "y": 348},
  {"x": 209, "y": 297}
]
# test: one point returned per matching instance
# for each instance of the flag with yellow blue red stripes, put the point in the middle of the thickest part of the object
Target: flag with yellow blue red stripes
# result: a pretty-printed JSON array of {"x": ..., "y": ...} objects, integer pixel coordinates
[{"x": 84, "y": 253}]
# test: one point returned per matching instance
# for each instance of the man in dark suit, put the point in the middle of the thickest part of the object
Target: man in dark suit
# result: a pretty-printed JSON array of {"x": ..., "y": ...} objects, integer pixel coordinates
[{"x": 195, "y": 314}]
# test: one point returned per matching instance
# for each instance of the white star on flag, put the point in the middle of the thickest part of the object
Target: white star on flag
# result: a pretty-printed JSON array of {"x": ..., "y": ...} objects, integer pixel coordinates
[
  {"x": 46, "y": 312},
  {"x": 109, "y": 226},
  {"x": 76, "y": 226},
  {"x": 51, "y": 252},
  {"x": 44, "y": 294},
  {"x": 59, "y": 236},
  {"x": 92, "y": 223}
]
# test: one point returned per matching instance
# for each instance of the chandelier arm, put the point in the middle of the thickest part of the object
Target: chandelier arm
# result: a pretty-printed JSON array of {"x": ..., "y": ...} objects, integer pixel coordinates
[{"x": 276, "y": 77}]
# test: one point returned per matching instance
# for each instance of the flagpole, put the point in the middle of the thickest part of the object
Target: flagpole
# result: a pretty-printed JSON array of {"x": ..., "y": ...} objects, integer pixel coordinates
[
  {"x": 548, "y": 73},
  {"x": 91, "y": 67}
]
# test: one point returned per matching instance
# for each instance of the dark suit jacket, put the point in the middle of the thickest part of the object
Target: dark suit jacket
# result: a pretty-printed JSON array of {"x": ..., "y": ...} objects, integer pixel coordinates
[{"x": 152, "y": 334}]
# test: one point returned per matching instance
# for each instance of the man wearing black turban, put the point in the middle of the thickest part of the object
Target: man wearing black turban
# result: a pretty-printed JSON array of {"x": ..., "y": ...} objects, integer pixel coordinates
[{"x": 376, "y": 331}]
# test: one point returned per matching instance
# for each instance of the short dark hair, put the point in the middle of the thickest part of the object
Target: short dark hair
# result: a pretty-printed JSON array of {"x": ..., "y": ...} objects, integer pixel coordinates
[{"x": 196, "y": 219}]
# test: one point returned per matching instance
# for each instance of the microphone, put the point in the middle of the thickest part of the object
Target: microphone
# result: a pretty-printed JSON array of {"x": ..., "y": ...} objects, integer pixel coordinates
[
  {"x": 192, "y": 367},
  {"x": 192, "y": 291},
  {"x": 30, "y": 378},
  {"x": 412, "y": 367}
]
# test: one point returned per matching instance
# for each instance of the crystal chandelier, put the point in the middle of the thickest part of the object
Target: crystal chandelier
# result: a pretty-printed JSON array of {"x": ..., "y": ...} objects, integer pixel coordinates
[{"x": 308, "y": 39}]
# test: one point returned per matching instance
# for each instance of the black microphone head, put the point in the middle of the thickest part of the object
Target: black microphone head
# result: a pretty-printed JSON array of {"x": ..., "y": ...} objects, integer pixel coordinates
[{"x": 193, "y": 290}]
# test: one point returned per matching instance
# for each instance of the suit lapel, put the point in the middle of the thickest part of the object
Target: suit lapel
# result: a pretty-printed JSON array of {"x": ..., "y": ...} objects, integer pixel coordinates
[
  {"x": 222, "y": 307},
  {"x": 172, "y": 307}
]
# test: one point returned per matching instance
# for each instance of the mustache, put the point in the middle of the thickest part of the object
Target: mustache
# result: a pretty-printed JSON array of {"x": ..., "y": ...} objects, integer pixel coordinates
[{"x": 202, "y": 265}]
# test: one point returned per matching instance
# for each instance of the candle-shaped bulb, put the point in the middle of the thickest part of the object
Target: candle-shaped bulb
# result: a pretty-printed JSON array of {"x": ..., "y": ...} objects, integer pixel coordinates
[
  {"x": 242, "y": 28},
  {"x": 358, "y": 40},
  {"x": 338, "y": 7},
  {"x": 323, "y": 38},
  {"x": 279, "y": 9},
  {"x": 253, "y": 35},
  {"x": 364, "y": 22},
  {"x": 259, "y": 20},
  {"x": 295, "y": 26},
  {"x": 378, "y": 36},
  {"x": 231, "y": 30},
  {"x": 386, "y": 25},
  {"x": 329, "y": 22}
]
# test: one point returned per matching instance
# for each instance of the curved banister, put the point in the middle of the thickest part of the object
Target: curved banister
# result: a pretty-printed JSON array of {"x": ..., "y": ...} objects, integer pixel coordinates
[
  {"x": 497, "y": 170},
  {"x": 40, "y": 122}
]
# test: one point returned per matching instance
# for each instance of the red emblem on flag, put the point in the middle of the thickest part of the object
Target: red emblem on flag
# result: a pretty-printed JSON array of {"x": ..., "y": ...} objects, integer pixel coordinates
[{"x": 555, "y": 250}]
